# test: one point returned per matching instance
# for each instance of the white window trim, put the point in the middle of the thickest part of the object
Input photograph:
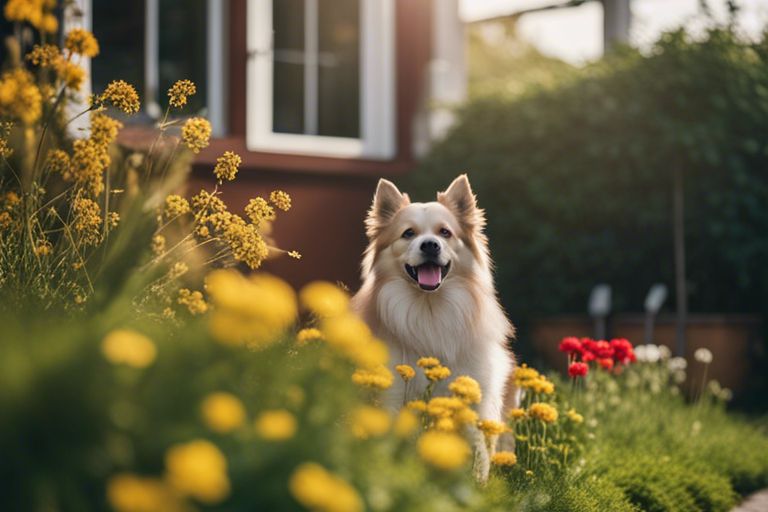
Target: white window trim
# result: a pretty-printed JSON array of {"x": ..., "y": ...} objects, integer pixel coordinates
[
  {"x": 217, "y": 13},
  {"x": 377, "y": 89}
]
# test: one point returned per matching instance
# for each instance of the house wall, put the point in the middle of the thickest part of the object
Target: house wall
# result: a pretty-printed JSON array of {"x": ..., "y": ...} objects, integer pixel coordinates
[{"x": 330, "y": 195}]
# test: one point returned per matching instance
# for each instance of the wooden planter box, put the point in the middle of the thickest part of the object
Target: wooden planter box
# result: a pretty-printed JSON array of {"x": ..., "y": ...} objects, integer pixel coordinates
[{"x": 731, "y": 338}]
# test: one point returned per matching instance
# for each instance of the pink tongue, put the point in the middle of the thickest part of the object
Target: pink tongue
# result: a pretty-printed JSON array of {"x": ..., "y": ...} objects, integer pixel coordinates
[{"x": 429, "y": 275}]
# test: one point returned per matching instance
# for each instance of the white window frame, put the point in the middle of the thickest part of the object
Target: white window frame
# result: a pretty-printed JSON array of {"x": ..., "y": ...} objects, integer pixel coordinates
[
  {"x": 216, "y": 47},
  {"x": 377, "y": 87}
]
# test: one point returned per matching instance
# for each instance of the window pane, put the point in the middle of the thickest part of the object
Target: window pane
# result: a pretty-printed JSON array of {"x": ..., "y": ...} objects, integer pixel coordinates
[
  {"x": 288, "y": 77},
  {"x": 339, "y": 73},
  {"x": 119, "y": 27},
  {"x": 183, "y": 39}
]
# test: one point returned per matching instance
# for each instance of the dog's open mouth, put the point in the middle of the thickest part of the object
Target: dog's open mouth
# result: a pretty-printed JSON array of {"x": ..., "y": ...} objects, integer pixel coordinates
[{"x": 429, "y": 276}]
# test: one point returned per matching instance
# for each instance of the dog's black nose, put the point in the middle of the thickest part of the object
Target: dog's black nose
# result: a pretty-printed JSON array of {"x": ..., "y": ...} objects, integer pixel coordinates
[{"x": 430, "y": 248}]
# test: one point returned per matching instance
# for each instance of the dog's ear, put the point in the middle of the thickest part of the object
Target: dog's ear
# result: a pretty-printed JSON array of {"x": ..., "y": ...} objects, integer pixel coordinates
[
  {"x": 458, "y": 198},
  {"x": 387, "y": 201}
]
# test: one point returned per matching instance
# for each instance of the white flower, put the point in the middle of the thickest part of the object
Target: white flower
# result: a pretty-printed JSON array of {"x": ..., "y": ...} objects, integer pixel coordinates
[
  {"x": 664, "y": 352},
  {"x": 677, "y": 363},
  {"x": 678, "y": 376},
  {"x": 641, "y": 353},
  {"x": 726, "y": 394},
  {"x": 651, "y": 353},
  {"x": 703, "y": 355}
]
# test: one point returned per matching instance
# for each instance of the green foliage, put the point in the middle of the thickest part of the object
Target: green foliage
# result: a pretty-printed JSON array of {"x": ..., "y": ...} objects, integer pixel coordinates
[{"x": 577, "y": 179}]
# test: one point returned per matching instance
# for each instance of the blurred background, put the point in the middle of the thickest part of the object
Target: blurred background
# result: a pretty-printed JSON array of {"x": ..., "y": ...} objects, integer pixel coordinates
[{"x": 617, "y": 144}]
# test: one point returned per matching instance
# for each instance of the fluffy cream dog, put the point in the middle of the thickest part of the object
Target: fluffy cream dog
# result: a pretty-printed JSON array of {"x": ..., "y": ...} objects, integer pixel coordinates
[{"x": 428, "y": 291}]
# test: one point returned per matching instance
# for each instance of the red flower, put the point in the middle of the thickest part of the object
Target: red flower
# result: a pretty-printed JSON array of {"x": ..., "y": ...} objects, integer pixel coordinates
[
  {"x": 578, "y": 370},
  {"x": 606, "y": 363},
  {"x": 623, "y": 352},
  {"x": 603, "y": 349},
  {"x": 571, "y": 345},
  {"x": 588, "y": 347}
]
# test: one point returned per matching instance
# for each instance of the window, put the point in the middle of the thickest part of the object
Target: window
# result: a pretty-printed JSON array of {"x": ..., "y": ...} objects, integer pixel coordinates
[
  {"x": 137, "y": 47},
  {"x": 321, "y": 77}
]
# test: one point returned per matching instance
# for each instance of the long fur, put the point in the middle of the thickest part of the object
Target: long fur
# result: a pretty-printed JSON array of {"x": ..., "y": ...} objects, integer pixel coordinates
[{"x": 461, "y": 323}]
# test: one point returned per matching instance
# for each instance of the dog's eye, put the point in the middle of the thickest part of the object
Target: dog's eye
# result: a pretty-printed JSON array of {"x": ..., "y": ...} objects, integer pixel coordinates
[
  {"x": 408, "y": 233},
  {"x": 445, "y": 233}
]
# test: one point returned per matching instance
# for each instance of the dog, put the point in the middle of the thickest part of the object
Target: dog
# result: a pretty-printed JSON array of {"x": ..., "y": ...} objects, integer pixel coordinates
[{"x": 427, "y": 290}]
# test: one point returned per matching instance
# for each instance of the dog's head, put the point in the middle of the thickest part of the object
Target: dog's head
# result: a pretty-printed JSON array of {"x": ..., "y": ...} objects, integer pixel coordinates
[{"x": 426, "y": 244}]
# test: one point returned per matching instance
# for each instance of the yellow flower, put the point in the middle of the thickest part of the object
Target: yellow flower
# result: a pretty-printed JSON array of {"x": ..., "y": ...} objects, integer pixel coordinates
[
  {"x": 321, "y": 491},
  {"x": 378, "y": 377},
  {"x": 543, "y": 412},
  {"x": 81, "y": 41},
  {"x": 196, "y": 133},
  {"x": 444, "y": 406},
  {"x": 222, "y": 412},
  {"x": 276, "y": 425},
  {"x": 428, "y": 362},
  {"x": 226, "y": 166},
  {"x": 43, "y": 248},
  {"x": 58, "y": 161},
  {"x": 574, "y": 416},
  {"x": 351, "y": 337},
  {"x": 504, "y": 458},
  {"x": 122, "y": 96},
  {"x": 5, "y": 149},
  {"x": 467, "y": 389},
  {"x": 198, "y": 469},
  {"x": 258, "y": 210},
  {"x": 69, "y": 73},
  {"x": 126, "y": 346},
  {"x": 20, "y": 97},
  {"x": 294, "y": 254},
  {"x": 104, "y": 129},
  {"x": 280, "y": 199},
  {"x": 465, "y": 416},
  {"x": 306, "y": 335},
  {"x": 158, "y": 244},
  {"x": 516, "y": 413},
  {"x": 49, "y": 23},
  {"x": 175, "y": 206},
  {"x": 445, "y": 425},
  {"x": 437, "y": 373},
  {"x": 443, "y": 450},
  {"x": 324, "y": 299},
  {"x": 539, "y": 385},
  {"x": 177, "y": 270},
  {"x": 367, "y": 421},
  {"x": 417, "y": 405},
  {"x": 44, "y": 55},
  {"x": 405, "y": 371},
  {"x": 24, "y": 10},
  {"x": 523, "y": 373},
  {"x": 127, "y": 492},
  {"x": 254, "y": 310},
  {"x": 89, "y": 160},
  {"x": 179, "y": 92},
  {"x": 491, "y": 428},
  {"x": 406, "y": 423}
]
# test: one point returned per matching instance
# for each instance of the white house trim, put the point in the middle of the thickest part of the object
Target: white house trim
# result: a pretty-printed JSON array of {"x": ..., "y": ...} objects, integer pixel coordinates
[{"x": 377, "y": 88}]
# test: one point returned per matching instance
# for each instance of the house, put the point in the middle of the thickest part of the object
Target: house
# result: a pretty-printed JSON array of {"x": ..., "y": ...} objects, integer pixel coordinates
[{"x": 321, "y": 98}]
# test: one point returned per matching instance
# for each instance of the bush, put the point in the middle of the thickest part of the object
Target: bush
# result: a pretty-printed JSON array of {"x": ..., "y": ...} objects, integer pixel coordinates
[{"x": 577, "y": 179}]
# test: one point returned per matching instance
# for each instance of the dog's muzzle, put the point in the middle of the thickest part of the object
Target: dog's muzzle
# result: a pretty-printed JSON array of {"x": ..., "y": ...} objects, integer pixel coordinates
[{"x": 429, "y": 275}]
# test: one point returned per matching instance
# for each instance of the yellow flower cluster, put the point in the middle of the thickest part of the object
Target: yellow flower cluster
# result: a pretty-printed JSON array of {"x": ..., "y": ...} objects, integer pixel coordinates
[
  {"x": 158, "y": 244},
  {"x": 324, "y": 299},
  {"x": 367, "y": 421},
  {"x": 258, "y": 210},
  {"x": 121, "y": 95},
  {"x": 81, "y": 41},
  {"x": 516, "y": 413},
  {"x": 86, "y": 169},
  {"x": 222, "y": 412},
  {"x": 427, "y": 362},
  {"x": 58, "y": 162},
  {"x": 405, "y": 424},
  {"x": 467, "y": 389},
  {"x": 530, "y": 379},
  {"x": 443, "y": 450},
  {"x": 127, "y": 492},
  {"x": 70, "y": 74},
  {"x": 405, "y": 371},
  {"x": 104, "y": 129},
  {"x": 491, "y": 428},
  {"x": 198, "y": 469},
  {"x": 193, "y": 300},
  {"x": 543, "y": 412},
  {"x": 437, "y": 373},
  {"x": 321, "y": 491},
  {"x": 255, "y": 310},
  {"x": 20, "y": 97},
  {"x": 175, "y": 206},
  {"x": 304, "y": 336},
  {"x": 43, "y": 248},
  {"x": 196, "y": 133},
  {"x": 227, "y": 166},
  {"x": 350, "y": 336},
  {"x": 180, "y": 91},
  {"x": 128, "y": 347},
  {"x": 504, "y": 458},
  {"x": 37, "y": 13},
  {"x": 44, "y": 55},
  {"x": 378, "y": 377},
  {"x": 280, "y": 199},
  {"x": 87, "y": 220},
  {"x": 276, "y": 425},
  {"x": 574, "y": 416}
]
